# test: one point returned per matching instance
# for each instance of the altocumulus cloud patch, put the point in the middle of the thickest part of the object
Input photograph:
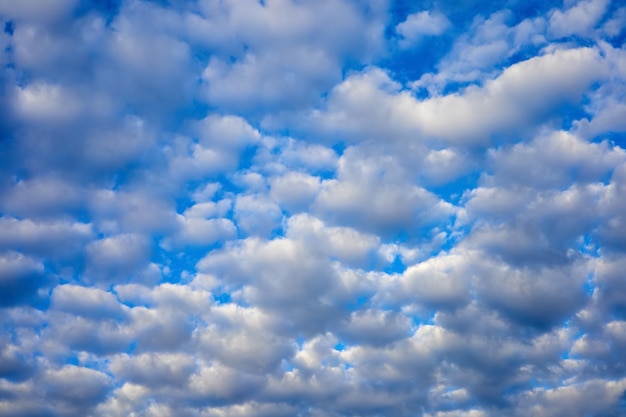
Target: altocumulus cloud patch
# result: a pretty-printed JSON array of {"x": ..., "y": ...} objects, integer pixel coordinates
[{"x": 312, "y": 208}]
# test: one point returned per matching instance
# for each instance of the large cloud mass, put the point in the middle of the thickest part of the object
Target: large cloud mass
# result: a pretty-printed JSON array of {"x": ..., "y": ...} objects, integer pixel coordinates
[{"x": 332, "y": 208}]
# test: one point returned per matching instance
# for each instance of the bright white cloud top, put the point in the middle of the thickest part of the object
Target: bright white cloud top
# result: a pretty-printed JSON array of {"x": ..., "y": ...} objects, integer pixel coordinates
[{"x": 324, "y": 208}]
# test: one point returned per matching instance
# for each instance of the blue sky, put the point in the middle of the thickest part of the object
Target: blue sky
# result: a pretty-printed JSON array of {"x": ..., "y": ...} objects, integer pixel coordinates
[{"x": 242, "y": 208}]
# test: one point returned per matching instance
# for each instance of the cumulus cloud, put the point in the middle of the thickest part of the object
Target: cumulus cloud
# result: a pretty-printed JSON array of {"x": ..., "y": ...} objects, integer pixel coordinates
[
  {"x": 298, "y": 208},
  {"x": 117, "y": 257},
  {"x": 371, "y": 104},
  {"x": 20, "y": 278},
  {"x": 418, "y": 25},
  {"x": 579, "y": 19}
]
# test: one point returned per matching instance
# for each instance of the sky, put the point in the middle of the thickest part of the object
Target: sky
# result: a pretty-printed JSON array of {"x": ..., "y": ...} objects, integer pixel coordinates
[{"x": 312, "y": 208}]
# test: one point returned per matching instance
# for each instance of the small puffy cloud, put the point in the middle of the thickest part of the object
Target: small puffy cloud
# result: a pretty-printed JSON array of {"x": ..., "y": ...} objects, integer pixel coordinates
[
  {"x": 419, "y": 25},
  {"x": 220, "y": 384},
  {"x": 20, "y": 278},
  {"x": 285, "y": 53},
  {"x": 540, "y": 229},
  {"x": 153, "y": 369},
  {"x": 82, "y": 388},
  {"x": 615, "y": 25},
  {"x": 309, "y": 156},
  {"x": 554, "y": 160},
  {"x": 280, "y": 275},
  {"x": 591, "y": 397},
  {"x": 237, "y": 338},
  {"x": 535, "y": 297},
  {"x": 295, "y": 191},
  {"x": 257, "y": 215},
  {"x": 44, "y": 238},
  {"x": 220, "y": 142},
  {"x": 229, "y": 132},
  {"x": 579, "y": 19},
  {"x": 608, "y": 300},
  {"x": 440, "y": 282},
  {"x": 14, "y": 365},
  {"x": 159, "y": 330},
  {"x": 97, "y": 335},
  {"x": 487, "y": 44},
  {"x": 41, "y": 198},
  {"x": 200, "y": 231},
  {"x": 45, "y": 102},
  {"x": 117, "y": 257},
  {"x": 374, "y": 327},
  {"x": 342, "y": 243},
  {"x": 372, "y": 193},
  {"x": 86, "y": 302}
]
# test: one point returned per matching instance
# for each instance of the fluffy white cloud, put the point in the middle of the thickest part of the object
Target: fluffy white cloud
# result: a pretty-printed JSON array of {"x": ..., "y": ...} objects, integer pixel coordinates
[
  {"x": 579, "y": 19},
  {"x": 46, "y": 238},
  {"x": 286, "y": 53},
  {"x": 315, "y": 209},
  {"x": 418, "y": 25},
  {"x": 86, "y": 302},
  {"x": 20, "y": 278},
  {"x": 117, "y": 257},
  {"x": 371, "y": 104}
]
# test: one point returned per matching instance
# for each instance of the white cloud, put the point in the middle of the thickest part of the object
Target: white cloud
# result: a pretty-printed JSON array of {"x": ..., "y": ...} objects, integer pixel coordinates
[
  {"x": 615, "y": 25},
  {"x": 321, "y": 209},
  {"x": 257, "y": 215},
  {"x": 117, "y": 257},
  {"x": 45, "y": 11},
  {"x": 46, "y": 102},
  {"x": 153, "y": 369},
  {"x": 85, "y": 301},
  {"x": 419, "y": 25},
  {"x": 295, "y": 191},
  {"x": 372, "y": 193},
  {"x": 41, "y": 197},
  {"x": 370, "y": 104},
  {"x": 46, "y": 238},
  {"x": 442, "y": 281},
  {"x": 489, "y": 42},
  {"x": 342, "y": 243},
  {"x": 201, "y": 232},
  {"x": 75, "y": 385},
  {"x": 307, "y": 42},
  {"x": 579, "y": 19},
  {"x": 553, "y": 160}
]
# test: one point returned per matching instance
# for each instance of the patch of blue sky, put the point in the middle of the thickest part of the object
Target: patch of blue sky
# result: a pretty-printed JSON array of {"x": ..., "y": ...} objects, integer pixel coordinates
[
  {"x": 181, "y": 264},
  {"x": 340, "y": 347},
  {"x": 9, "y": 28},
  {"x": 108, "y": 8},
  {"x": 426, "y": 317},
  {"x": 358, "y": 302},
  {"x": 616, "y": 138},
  {"x": 453, "y": 191},
  {"x": 222, "y": 298},
  {"x": 397, "y": 266}
]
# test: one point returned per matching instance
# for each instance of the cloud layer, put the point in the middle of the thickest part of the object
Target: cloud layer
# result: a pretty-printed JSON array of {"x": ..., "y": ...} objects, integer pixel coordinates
[{"x": 312, "y": 208}]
